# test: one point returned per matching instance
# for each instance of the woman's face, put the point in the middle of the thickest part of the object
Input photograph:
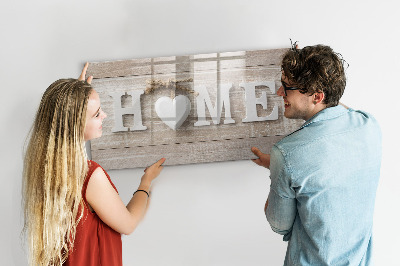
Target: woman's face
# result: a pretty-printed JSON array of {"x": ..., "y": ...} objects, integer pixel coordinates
[{"x": 94, "y": 117}]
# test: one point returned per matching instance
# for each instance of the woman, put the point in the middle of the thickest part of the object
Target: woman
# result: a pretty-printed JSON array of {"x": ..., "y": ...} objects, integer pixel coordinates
[{"x": 73, "y": 213}]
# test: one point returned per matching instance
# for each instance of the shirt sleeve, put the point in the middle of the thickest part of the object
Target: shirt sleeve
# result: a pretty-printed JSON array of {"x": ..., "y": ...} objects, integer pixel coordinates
[{"x": 281, "y": 210}]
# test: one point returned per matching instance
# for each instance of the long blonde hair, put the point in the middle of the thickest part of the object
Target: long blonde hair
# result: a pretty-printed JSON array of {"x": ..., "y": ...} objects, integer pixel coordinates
[{"x": 55, "y": 167}]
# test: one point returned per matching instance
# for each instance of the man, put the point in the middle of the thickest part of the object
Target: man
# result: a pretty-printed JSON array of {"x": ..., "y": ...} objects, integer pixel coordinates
[{"x": 324, "y": 175}]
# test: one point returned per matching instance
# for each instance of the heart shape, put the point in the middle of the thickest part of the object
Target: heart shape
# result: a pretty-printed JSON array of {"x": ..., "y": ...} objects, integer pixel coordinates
[{"x": 173, "y": 112}]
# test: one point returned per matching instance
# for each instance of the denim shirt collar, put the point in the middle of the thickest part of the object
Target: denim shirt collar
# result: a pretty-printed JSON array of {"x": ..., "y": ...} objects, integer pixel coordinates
[{"x": 326, "y": 114}]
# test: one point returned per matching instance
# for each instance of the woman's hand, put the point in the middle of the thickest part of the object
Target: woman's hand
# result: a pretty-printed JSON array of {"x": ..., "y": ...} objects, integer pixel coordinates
[
  {"x": 151, "y": 172},
  {"x": 83, "y": 74}
]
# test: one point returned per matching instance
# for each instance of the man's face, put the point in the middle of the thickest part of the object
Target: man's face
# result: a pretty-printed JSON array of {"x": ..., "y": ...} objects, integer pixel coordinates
[{"x": 297, "y": 104}]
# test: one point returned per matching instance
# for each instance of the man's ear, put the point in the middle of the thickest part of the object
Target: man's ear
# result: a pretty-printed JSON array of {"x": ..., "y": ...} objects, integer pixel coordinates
[{"x": 318, "y": 97}]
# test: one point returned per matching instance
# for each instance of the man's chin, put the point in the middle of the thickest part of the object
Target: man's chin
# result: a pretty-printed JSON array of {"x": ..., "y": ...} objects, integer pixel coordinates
[
  {"x": 287, "y": 115},
  {"x": 290, "y": 116}
]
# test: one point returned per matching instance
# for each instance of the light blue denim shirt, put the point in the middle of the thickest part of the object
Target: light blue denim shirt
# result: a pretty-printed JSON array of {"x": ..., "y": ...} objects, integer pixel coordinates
[{"x": 324, "y": 178}]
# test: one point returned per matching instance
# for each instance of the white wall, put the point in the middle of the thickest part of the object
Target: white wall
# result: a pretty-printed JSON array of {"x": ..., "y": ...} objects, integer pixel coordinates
[{"x": 205, "y": 214}]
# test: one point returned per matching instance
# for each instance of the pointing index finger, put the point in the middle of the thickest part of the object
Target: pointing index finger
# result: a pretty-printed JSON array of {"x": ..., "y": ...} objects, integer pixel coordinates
[
  {"x": 256, "y": 151},
  {"x": 161, "y": 161},
  {"x": 83, "y": 74}
]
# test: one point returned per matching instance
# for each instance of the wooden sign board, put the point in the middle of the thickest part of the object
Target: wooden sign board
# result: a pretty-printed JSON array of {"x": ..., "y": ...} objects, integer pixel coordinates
[{"x": 189, "y": 109}]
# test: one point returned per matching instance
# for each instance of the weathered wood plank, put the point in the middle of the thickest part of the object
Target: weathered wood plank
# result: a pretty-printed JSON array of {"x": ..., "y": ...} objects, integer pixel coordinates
[
  {"x": 208, "y": 71},
  {"x": 186, "y": 153},
  {"x": 162, "y": 134},
  {"x": 135, "y": 67}
]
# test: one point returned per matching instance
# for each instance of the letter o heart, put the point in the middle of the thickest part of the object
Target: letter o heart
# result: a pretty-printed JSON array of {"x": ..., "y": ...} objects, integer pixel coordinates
[{"x": 173, "y": 112}]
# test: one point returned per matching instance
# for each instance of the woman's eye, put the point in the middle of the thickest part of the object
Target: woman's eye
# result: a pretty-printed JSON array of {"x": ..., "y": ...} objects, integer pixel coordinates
[{"x": 97, "y": 115}]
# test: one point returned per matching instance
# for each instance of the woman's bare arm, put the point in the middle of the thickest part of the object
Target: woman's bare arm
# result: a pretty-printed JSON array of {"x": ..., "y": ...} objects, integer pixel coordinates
[{"x": 108, "y": 205}]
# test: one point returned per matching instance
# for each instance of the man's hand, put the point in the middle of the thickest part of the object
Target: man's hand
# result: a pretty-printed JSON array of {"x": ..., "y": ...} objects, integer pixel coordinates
[{"x": 263, "y": 159}]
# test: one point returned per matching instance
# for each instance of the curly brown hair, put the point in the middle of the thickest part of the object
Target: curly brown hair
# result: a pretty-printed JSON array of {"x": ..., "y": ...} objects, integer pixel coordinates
[{"x": 316, "y": 69}]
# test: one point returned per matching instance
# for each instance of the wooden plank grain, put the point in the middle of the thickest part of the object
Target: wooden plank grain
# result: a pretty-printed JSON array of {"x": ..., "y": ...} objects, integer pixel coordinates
[
  {"x": 186, "y": 153},
  {"x": 189, "y": 143},
  {"x": 134, "y": 67}
]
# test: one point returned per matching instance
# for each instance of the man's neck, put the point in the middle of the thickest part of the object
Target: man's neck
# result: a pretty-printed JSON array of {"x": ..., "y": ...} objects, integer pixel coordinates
[{"x": 318, "y": 108}]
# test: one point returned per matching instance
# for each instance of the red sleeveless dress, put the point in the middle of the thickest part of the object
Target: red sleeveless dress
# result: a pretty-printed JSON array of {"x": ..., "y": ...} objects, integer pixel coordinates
[{"x": 95, "y": 242}]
